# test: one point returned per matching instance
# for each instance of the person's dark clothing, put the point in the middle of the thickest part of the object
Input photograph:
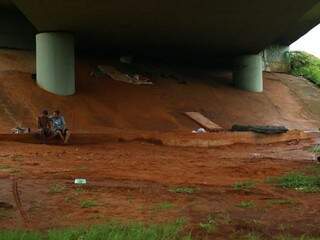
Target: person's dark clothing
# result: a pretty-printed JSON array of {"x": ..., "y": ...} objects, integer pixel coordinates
[{"x": 44, "y": 125}]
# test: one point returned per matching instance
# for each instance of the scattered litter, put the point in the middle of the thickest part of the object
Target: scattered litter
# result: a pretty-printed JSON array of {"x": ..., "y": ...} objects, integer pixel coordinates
[
  {"x": 204, "y": 121},
  {"x": 260, "y": 129},
  {"x": 126, "y": 59},
  {"x": 200, "y": 130},
  {"x": 136, "y": 79},
  {"x": 20, "y": 130},
  {"x": 80, "y": 181}
]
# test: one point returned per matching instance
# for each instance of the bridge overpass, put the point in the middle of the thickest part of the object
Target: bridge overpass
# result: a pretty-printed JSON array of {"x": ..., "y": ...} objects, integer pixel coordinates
[{"x": 193, "y": 29}]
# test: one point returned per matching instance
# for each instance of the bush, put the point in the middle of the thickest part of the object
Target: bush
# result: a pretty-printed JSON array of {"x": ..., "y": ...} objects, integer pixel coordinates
[{"x": 305, "y": 65}]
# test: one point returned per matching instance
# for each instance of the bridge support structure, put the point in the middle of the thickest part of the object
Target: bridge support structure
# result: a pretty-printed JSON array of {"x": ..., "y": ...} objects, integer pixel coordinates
[
  {"x": 247, "y": 73},
  {"x": 56, "y": 62}
]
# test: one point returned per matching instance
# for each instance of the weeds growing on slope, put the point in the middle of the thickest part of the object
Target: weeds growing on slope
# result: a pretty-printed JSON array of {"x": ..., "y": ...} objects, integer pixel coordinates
[
  {"x": 188, "y": 190},
  {"x": 110, "y": 231},
  {"x": 298, "y": 181},
  {"x": 246, "y": 204},
  {"x": 244, "y": 186}
]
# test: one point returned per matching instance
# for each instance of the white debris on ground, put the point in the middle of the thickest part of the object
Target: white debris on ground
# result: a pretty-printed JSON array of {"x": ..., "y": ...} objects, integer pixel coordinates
[
  {"x": 200, "y": 130},
  {"x": 115, "y": 74},
  {"x": 19, "y": 130}
]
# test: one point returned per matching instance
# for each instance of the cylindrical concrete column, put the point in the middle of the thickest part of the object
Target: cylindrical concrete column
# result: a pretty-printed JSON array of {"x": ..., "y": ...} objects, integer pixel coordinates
[
  {"x": 56, "y": 63},
  {"x": 247, "y": 73}
]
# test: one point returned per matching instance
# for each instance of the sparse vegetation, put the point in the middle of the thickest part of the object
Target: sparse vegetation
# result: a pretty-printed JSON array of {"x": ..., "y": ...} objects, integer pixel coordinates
[
  {"x": 209, "y": 226},
  {"x": 246, "y": 204},
  {"x": 244, "y": 186},
  {"x": 280, "y": 202},
  {"x": 163, "y": 206},
  {"x": 188, "y": 190},
  {"x": 57, "y": 188},
  {"x": 298, "y": 181},
  {"x": 316, "y": 149},
  {"x": 297, "y": 238},
  {"x": 88, "y": 204},
  {"x": 80, "y": 190},
  {"x": 110, "y": 231},
  {"x": 252, "y": 236},
  {"x": 257, "y": 236},
  {"x": 305, "y": 65}
]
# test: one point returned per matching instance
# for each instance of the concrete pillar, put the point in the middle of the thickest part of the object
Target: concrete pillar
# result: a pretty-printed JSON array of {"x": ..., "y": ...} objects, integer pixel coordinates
[
  {"x": 247, "y": 73},
  {"x": 56, "y": 63}
]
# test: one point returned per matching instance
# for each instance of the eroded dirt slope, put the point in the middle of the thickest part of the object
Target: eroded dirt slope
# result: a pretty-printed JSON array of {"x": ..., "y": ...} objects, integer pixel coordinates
[{"x": 102, "y": 103}]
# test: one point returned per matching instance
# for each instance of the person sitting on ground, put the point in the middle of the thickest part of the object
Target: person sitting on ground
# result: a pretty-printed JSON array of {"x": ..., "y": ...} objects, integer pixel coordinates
[
  {"x": 44, "y": 124},
  {"x": 59, "y": 126}
]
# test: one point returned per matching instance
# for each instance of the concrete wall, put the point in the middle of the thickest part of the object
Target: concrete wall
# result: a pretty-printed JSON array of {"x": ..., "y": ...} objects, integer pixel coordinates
[
  {"x": 16, "y": 31},
  {"x": 276, "y": 59}
]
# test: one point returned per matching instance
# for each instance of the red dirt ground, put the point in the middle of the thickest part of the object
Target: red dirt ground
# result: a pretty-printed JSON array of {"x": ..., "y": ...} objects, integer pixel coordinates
[
  {"x": 101, "y": 103},
  {"x": 129, "y": 180}
]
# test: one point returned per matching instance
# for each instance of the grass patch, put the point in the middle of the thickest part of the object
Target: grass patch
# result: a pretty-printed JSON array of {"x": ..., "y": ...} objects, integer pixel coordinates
[
  {"x": 188, "y": 190},
  {"x": 315, "y": 149},
  {"x": 246, "y": 204},
  {"x": 252, "y": 236},
  {"x": 209, "y": 226},
  {"x": 280, "y": 202},
  {"x": 56, "y": 188},
  {"x": 298, "y": 181},
  {"x": 244, "y": 186},
  {"x": 110, "y": 231},
  {"x": 305, "y": 65},
  {"x": 163, "y": 206},
  {"x": 19, "y": 235},
  {"x": 88, "y": 204},
  {"x": 80, "y": 190},
  {"x": 297, "y": 238}
]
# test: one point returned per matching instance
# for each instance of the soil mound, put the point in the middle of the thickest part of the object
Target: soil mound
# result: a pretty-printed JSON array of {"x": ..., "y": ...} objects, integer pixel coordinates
[{"x": 102, "y": 103}]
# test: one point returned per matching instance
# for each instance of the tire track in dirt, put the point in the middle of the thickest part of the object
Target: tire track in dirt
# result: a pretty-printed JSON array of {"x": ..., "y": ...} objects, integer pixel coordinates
[{"x": 17, "y": 200}]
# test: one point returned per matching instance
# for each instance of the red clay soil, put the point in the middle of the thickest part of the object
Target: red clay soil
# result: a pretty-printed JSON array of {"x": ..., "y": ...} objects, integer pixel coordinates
[
  {"x": 130, "y": 178},
  {"x": 102, "y": 103},
  {"x": 130, "y": 181}
]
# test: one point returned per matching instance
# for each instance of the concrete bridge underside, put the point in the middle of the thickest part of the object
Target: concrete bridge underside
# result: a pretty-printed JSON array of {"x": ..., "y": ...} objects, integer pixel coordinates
[{"x": 168, "y": 28}]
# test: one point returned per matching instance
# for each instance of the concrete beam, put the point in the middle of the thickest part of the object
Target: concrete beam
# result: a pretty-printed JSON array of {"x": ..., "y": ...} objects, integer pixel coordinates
[{"x": 56, "y": 62}]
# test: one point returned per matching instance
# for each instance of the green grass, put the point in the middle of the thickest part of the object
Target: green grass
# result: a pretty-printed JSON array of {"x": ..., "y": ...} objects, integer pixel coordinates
[
  {"x": 163, "y": 206},
  {"x": 19, "y": 235},
  {"x": 79, "y": 190},
  {"x": 88, "y": 204},
  {"x": 110, "y": 231},
  {"x": 246, "y": 204},
  {"x": 297, "y": 238},
  {"x": 298, "y": 181},
  {"x": 315, "y": 149},
  {"x": 244, "y": 186},
  {"x": 188, "y": 190},
  {"x": 252, "y": 236},
  {"x": 280, "y": 202},
  {"x": 56, "y": 188},
  {"x": 305, "y": 65},
  {"x": 256, "y": 236},
  {"x": 209, "y": 226}
]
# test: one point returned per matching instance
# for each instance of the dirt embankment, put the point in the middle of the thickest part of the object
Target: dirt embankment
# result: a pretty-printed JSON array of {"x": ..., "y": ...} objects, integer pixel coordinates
[{"x": 102, "y": 103}]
